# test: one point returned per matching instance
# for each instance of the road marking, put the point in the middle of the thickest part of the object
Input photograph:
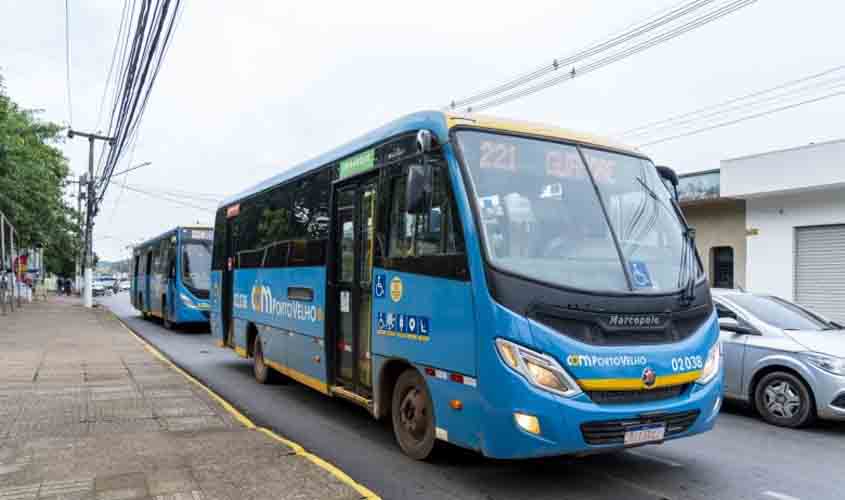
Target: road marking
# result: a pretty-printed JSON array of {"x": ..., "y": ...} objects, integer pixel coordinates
[
  {"x": 362, "y": 490},
  {"x": 663, "y": 461},
  {"x": 779, "y": 496}
]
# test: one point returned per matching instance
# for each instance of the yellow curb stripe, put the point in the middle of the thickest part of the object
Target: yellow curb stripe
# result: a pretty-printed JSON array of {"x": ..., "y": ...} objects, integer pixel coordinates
[
  {"x": 636, "y": 384},
  {"x": 240, "y": 351},
  {"x": 298, "y": 450}
]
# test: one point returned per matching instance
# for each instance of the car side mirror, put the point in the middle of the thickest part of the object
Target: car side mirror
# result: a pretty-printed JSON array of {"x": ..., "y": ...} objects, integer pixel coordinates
[{"x": 733, "y": 325}]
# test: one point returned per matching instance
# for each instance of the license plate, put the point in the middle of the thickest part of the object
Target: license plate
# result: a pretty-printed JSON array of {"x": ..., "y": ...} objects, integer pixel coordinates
[{"x": 648, "y": 433}]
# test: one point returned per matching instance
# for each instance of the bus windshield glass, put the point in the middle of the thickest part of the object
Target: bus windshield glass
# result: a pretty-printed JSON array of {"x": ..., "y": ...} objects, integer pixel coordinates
[
  {"x": 574, "y": 216},
  {"x": 196, "y": 265}
]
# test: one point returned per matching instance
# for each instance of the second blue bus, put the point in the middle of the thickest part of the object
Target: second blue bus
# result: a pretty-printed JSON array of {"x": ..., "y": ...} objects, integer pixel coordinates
[{"x": 171, "y": 276}]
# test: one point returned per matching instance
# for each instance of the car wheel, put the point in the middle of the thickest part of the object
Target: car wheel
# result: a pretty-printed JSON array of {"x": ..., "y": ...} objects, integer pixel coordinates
[
  {"x": 783, "y": 399},
  {"x": 263, "y": 373},
  {"x": 413, "y": 415}
]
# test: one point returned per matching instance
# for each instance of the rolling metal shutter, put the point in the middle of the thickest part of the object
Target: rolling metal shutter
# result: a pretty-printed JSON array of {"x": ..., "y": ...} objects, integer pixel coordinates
[{"x": 820, "y": 270}]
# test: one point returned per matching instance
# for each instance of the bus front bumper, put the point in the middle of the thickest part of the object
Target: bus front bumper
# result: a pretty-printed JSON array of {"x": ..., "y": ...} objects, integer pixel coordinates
[{"x": 576, "y": 426}]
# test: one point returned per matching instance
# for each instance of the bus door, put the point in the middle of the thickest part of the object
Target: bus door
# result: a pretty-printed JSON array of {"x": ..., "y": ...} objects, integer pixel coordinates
[
  {"x": 148, "y": 271},
  {"x": 353, "y": 231},
  {"x": 226, "y": 283}
]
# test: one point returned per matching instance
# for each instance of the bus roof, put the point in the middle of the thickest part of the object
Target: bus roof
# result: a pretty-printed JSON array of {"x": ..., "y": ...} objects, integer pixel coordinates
[
  {"x": 439, "y": 123},
  {"x": 168, "y": 233}
]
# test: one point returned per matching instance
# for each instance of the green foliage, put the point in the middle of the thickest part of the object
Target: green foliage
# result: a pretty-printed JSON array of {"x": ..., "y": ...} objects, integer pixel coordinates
[{"x": 32, "y": 179}]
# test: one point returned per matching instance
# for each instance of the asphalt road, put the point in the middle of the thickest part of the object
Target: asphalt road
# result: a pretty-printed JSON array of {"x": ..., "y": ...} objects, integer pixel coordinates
[{"x": 742, "y": 458}]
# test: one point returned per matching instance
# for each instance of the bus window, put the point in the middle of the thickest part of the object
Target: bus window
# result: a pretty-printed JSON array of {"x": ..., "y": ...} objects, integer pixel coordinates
[{"x": 432, "y": 233}]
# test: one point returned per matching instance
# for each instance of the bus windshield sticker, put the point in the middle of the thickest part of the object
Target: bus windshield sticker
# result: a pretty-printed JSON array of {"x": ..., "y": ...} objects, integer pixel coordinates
[
  {"x": 378, "y": 286},
  {"x": 640, "y": 275},
  {"x": 404, "y": 326},
  {"x": 359, "y": 163},
  {"x": 396, "y": 289},
  {"x": 497, "y": 155}
]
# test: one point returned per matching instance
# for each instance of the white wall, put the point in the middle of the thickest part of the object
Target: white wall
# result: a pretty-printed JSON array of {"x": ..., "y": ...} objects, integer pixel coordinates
[
  {"x": 770, "y": 261},
  {"x": 799, "y": 169}
]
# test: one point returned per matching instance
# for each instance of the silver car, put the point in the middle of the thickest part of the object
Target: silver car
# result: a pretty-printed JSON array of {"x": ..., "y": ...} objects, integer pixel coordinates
[{"x": 786, "y": 361}]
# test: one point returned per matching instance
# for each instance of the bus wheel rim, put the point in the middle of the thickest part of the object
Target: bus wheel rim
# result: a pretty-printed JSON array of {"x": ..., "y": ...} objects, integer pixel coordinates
[{"x": 413, "y": 414}]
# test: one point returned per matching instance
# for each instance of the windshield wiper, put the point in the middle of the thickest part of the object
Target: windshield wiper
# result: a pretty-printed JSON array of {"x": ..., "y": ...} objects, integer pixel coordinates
[{"x": 688, "y": 264}]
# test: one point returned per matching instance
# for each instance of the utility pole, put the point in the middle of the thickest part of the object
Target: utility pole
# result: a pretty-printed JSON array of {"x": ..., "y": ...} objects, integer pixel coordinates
[
  {"x": 79, "y": 196},
  {"x": 90, "y": 212}
]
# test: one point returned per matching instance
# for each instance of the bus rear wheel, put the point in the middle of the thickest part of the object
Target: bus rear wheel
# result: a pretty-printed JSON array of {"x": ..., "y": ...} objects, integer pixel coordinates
[
  {"x": 263, "y": 373},
  {"x": 413, "y": 415}
]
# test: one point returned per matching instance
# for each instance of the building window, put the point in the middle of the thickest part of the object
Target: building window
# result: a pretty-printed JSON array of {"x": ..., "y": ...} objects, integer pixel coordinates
[{"x": 722, "y": 267}]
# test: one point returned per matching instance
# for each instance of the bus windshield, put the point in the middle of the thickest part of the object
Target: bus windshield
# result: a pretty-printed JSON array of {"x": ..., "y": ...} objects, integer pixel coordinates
[
  {"x": 556, "y": 212},
  {"x": 196, "y": 265}
]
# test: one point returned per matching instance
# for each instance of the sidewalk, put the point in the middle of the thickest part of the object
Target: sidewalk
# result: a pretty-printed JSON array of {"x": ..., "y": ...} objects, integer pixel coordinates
[{"x": 87, "y": 412}]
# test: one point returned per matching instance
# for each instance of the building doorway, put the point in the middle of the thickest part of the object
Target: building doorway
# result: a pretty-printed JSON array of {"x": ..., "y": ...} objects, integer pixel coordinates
[{"x": 722, "y": 267}]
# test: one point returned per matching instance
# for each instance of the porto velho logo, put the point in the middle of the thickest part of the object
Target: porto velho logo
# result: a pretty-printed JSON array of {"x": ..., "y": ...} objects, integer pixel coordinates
[
  {"x": 261, "y": 300},
  {"x": 591, "y": 361}
]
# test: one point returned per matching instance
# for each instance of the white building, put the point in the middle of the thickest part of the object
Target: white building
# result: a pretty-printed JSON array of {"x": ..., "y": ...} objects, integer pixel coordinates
[{"x": 795, "y": 222}]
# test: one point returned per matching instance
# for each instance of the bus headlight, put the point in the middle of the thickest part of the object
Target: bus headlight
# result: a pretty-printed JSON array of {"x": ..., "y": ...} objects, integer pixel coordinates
[
  {"x": 187, "y": 301},
  {"x": 539, "y": 369},
  {"x": 712, "y": 365}
]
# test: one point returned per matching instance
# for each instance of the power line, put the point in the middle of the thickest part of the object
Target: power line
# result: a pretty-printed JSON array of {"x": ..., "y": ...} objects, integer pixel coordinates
[
  {"x": 115, "y": 51},
  {"x": 626, "y": 34},
  {"x": 744, "y": 118},
  {"x": 171, "y": 200},
  {"x": 697, "y": 114},
  {"x": 622, "y": 54},
  {"x": 67, "y": 63}
]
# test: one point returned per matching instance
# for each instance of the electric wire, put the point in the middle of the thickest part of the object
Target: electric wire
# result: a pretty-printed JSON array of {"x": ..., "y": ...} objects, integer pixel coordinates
[
  {"x": 175, "y": 201},
  {"x": 648, "y": 127},
  {"x": 743, "y": 118},
  {"x": 653, "y": 22},
  {"x": 623, "y": 54}
]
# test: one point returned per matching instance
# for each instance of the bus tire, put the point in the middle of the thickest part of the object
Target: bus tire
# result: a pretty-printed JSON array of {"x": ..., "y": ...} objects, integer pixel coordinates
[
  {"x": 165, "y": 317},
  {"x": 263, "y": 373},
  {"x": 413, "y": 415}
]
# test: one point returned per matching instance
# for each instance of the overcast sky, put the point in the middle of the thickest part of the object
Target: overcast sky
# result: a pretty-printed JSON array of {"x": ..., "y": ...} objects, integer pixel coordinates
[{"x": 250, "y": 88}]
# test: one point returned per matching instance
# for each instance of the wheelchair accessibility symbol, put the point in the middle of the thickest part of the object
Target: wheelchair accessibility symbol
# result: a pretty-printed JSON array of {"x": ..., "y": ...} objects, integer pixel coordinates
[
  {"x": 640, "y": 275},
  {"x": 379, "y": 286}
]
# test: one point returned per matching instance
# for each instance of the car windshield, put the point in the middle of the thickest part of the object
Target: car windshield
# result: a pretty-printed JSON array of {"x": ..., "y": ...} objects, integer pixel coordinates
[
  {"x": 779, "y": 313},
  {"x": 542, "y": 206},
  {"x": 196, "y": 265}
]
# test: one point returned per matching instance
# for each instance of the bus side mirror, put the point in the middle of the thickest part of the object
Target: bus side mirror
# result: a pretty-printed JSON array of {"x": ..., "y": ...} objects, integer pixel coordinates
[
  {"x": 418, "y": 189},
  {"x": 669, "y": 175}
]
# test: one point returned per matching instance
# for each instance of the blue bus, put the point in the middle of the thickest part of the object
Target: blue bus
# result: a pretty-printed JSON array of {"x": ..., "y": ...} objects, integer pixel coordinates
[
  {"x": 510, "y": 288},
  {"x": 171, "y": 276}
]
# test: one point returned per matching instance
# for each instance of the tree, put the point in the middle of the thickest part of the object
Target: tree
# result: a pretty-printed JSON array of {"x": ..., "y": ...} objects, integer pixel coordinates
[{"x": 33, "y": 175}]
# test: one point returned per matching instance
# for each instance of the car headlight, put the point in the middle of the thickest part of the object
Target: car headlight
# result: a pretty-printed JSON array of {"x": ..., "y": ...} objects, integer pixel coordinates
[
  {"x": 827, "y": 363},
  {"x": 187, "y": 301},
  {"x": 712, "y": 365},
  {"x": 541, "y": 370}
]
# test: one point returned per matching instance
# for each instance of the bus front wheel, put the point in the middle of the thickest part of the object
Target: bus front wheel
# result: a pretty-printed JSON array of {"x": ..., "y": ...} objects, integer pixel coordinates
[{"x": 413, "y": 415}]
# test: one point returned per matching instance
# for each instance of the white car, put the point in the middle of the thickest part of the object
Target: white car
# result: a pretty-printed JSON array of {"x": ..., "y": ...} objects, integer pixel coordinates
[
  {"x": 97, "y": 288},
  {"x": 125, "y": 285}
]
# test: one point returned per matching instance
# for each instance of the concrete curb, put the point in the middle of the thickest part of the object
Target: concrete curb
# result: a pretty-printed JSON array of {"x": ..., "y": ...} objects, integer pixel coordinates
[{"x": 365, "y": 492}]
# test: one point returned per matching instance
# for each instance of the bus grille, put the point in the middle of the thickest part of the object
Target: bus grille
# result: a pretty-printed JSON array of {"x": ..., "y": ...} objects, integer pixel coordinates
[
  {"x": 612, "y": 432},
  {"x": 643, "y": 396}
]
